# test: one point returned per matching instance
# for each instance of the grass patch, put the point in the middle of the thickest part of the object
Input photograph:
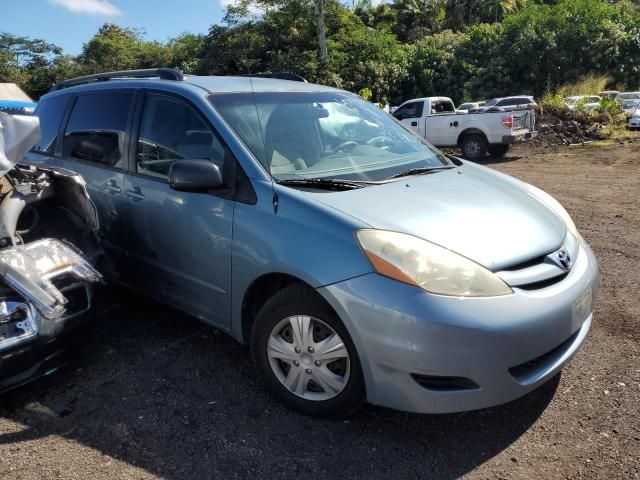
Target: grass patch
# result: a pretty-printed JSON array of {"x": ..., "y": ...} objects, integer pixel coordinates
[{"x": 587, "y": 85}]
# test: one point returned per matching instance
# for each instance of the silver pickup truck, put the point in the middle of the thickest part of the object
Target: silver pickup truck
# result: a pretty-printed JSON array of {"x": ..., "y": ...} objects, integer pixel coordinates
[{"x": 476, "y": 133}]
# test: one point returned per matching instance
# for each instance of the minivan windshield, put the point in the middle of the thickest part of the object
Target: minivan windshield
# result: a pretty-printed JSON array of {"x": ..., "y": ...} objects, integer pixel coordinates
[{"x": 324, "y": 135}]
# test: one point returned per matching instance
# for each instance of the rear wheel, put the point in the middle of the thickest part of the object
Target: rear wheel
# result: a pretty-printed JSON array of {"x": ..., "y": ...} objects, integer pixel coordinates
[
  {"x": 499, "y": 149},
  {"x": 303, "y": 352},
  {"x": 474, "y": 147}
]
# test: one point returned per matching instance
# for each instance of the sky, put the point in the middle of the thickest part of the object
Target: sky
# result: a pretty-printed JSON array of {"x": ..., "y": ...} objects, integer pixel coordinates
[{"x": 69, "y": 23}]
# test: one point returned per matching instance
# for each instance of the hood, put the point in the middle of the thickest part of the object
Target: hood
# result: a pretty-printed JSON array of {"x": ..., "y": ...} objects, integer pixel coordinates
[{"x": 484, "y": 215}]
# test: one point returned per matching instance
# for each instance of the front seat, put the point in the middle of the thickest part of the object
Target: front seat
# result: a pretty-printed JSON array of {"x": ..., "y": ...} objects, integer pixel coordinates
[{"x": 286, "y": 126}]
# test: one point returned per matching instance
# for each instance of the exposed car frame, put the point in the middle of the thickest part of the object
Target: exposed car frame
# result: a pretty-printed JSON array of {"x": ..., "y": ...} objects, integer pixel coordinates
[{"x": 46, "y": 284}]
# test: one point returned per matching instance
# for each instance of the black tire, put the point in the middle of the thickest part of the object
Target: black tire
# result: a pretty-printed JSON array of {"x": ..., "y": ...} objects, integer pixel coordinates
[
  {"x": 300, "y": 300},
  {"x": 474, "y": 147},
  {"x": 499, "y": 149}
]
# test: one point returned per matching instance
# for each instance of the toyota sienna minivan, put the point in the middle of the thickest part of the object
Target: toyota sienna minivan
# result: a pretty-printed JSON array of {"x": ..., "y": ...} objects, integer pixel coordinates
[{"x": 357, "y": 261}]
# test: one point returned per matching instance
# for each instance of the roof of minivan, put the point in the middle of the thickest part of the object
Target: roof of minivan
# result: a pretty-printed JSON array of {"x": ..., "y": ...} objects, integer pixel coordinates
[
  {"x": 248, "y": 84},
  {"x": 213, "y": 84}
]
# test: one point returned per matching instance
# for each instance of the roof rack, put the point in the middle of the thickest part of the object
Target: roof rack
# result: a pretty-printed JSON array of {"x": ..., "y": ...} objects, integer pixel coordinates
[
  {"x": 162, "y": 73},
  {"x": 278, "y": 75}
]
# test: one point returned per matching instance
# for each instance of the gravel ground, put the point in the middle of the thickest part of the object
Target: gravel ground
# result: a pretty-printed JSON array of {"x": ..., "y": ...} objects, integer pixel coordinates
[{"x": 153, "y": 393}]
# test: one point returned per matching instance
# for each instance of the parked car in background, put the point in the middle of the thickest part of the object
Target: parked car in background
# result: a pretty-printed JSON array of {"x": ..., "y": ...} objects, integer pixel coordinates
[
  {"x": 582, "y": 102},
  {"x": 359, "y": 262},
  {"x": 14, "y": 107},
  {"x": 610, "y": 94},
  {"x": 466, "y": 107},
  {"x": 510, "y": 102},
  {"x": 628, "y": 96},
  {"x": 46, "y": 282},
  {"x": 630, "y": 105},
  {"x": 634, "y": 119},
  {"x": 436, "y": 119}
]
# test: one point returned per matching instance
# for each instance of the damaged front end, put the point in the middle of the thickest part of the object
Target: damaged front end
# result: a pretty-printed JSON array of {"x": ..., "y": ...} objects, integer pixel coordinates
[{"x": 48, "y": 244}]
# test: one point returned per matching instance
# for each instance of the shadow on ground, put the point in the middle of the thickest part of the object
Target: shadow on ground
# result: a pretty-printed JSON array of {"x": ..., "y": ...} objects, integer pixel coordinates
[
  {"x": 493, "y": 160},
  {"x": 179, "y": 399}
]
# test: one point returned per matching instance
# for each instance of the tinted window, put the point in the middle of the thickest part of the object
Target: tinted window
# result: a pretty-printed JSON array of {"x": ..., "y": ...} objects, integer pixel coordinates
[
  {"x": 409, "y": 110},
  {"x": 50, "y": 113},
  {"x": 514, "y": 101},
  {"x": 96, "y": 128},
  {"x": 171, "y": 130}
]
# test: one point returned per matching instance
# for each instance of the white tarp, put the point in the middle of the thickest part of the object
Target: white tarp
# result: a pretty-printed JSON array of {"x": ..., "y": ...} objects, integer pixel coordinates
[
  {"x": 11, "y": 91},
  {"x": 18, "y": 133}
]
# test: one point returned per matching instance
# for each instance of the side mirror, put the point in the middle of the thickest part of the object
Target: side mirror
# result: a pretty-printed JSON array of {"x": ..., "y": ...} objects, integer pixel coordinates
[{"x": 195, "y": 176}]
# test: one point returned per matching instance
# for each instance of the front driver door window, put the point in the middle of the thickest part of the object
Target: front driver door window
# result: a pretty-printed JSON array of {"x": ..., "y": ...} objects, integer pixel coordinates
[
  {"x": 182, "y": 240},
  {"x": 171, "y": 130}
]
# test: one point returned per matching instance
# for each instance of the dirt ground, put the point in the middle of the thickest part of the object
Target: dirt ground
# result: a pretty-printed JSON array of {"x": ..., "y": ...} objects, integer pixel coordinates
[{"x": 155, "y": 394}]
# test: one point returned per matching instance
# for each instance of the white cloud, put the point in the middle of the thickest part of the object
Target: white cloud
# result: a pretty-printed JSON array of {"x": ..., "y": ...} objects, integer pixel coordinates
[
  {"x": 89, "y": 7},
  {"x": 253, "y": 9}
]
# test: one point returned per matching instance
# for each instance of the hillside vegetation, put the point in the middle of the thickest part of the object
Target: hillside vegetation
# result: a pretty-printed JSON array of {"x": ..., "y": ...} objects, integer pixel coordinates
[{"x": 466, "y": 49}]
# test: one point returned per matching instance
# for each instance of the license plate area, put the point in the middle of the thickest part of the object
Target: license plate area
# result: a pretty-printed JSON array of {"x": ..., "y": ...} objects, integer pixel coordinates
[{"x": 582, "y": 307}]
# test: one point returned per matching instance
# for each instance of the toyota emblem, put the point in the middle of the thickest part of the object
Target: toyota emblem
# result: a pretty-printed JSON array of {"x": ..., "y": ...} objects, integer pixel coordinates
[{"x": 564, "y": 259}]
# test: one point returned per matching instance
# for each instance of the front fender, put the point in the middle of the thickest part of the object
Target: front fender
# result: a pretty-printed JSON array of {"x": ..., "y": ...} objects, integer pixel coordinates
[{"x": 303, "y": 238}]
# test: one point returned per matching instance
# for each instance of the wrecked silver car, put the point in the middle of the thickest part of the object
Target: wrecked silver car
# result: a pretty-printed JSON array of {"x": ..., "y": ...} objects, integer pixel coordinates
[{"x": 48, "y": 244}]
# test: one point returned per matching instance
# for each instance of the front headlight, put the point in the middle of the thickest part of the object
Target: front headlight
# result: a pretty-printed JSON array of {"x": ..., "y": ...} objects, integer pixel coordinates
[
  {"x": 435, "y": 269},
  {"x": 554, "y": 205}
]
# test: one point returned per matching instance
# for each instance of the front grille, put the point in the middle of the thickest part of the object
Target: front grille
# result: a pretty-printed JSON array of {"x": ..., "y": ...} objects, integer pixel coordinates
[
  {"x": 539, "y": 364},
  {"x": 541, "y": 271},
  {"x": 543, "y": 283},
  {"x": 444, "y": 384},
  {"x": 526, "y": 264}
]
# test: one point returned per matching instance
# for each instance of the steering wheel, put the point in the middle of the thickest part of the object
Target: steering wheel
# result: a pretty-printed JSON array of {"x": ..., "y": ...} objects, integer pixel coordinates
[
  {"x": 350, "y": 144},
  {"x": 381, "y": 140}
]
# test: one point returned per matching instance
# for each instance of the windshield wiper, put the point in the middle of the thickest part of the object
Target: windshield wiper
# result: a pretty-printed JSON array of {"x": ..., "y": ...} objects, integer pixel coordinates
[
  {"x": 323, "y": 183},
  {"x": 419, "y": 171}
]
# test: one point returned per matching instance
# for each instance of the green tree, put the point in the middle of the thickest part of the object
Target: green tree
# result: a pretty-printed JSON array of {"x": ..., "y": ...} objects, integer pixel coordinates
[{"x": 28, "y": 63}]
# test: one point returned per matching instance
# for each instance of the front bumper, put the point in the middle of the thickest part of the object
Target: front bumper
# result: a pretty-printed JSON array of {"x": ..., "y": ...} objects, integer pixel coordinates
[
  {"x": 48, "y": 349},
  {"x": 506, "y": 346}
]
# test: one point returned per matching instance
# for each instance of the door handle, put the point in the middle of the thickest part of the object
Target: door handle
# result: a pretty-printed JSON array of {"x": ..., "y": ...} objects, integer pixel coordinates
[
  {"x": 111, "y": 187},
  {"x": 414, "y": 124},
  {"x": 134, "y": 194}
]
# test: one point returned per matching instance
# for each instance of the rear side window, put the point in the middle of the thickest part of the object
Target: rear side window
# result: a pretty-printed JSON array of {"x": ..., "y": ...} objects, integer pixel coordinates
[
  {"x": 96, "y": 128},
  {"x": 50, "y": 113},
  {"x": 442, "y": 107},
  {"x": 514, "y": 101}
]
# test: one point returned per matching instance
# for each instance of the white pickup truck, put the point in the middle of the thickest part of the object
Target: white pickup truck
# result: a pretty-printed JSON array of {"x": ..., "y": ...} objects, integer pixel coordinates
[{"x": 492, "y": 130}]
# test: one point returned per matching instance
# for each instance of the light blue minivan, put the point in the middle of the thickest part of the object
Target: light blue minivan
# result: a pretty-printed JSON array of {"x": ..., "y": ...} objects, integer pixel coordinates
[{"x": 359, "y": 262}]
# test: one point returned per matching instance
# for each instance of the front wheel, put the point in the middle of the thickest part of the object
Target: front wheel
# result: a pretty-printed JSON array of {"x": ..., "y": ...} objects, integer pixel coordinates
[
  {"x": 305, "y": 354},
  {"x": 474, "y": 147},
  {"x": 499, "y": 149}
]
